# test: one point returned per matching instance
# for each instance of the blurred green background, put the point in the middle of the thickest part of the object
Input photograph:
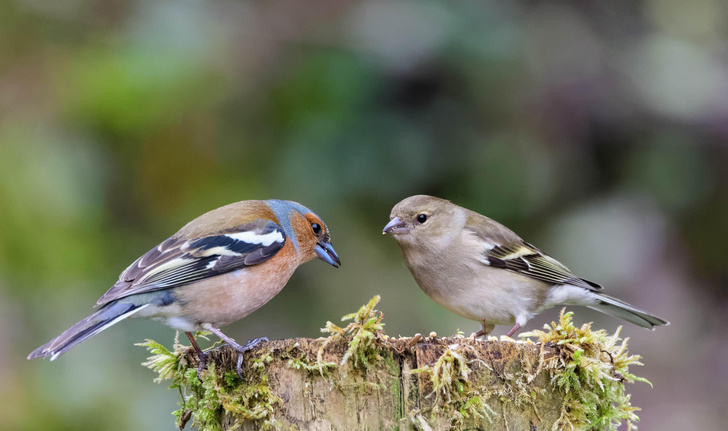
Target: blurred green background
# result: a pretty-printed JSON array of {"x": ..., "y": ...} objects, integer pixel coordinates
[{"x": 597, "y": 130}]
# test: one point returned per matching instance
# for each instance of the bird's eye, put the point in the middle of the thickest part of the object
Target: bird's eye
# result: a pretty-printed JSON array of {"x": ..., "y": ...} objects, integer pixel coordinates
[
  {"x": 421, "y": 218},
  {"x": 316, "y": 228}
]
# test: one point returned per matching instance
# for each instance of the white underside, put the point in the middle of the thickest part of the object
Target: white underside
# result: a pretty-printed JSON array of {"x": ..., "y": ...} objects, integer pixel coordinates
[
  {"x": 496, "y": 300},
  {"x": 567, "y": 294},
  {"x": 509, "y": 300},
  {"x": 170, "y": 316}
]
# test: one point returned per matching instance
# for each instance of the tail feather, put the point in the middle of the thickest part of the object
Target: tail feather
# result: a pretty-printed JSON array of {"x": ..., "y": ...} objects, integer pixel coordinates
[
  {"x": 620, "y": 309},
  {"x": 85, "y": 329}
]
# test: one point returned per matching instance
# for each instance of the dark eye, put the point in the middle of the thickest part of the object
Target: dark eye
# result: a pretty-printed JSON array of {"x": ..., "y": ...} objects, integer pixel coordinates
[
  {"x": 316, "y": 228},
  {"x": 421, "y": 218}
]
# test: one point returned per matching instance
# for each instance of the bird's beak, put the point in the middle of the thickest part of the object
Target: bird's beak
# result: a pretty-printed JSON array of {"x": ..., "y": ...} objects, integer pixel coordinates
[
  {"x": 325, "y": 252},
  {"x": 395, "y": 226}
]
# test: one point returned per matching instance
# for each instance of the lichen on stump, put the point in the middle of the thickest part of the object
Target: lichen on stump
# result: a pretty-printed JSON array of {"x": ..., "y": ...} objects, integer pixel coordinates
[{"x": 358, "y": 378}]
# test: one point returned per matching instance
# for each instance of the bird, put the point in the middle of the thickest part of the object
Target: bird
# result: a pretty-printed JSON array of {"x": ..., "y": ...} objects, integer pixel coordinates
[
  {"x": 216, "y": 270},
  {"x": 481, "y": 270}
]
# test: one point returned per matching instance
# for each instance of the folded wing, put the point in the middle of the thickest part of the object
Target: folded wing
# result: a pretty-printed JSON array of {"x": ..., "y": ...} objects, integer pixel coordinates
[
  {"x": 526, "y": 259},
  {"x": 177, "y": 262}
]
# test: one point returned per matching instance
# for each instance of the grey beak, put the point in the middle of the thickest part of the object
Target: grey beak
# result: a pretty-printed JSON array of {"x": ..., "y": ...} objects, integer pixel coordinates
[
  {"x": 325, "y": 252},
  {"x": 395, "y": 226}
]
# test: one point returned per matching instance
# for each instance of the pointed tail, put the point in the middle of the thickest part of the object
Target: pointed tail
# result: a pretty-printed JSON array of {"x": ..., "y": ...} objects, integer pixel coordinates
[
  {"x": 616, "y": 308},
  {"x": 87, "y": 328}
]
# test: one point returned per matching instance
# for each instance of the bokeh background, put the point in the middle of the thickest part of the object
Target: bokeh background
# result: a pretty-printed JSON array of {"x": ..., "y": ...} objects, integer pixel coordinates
[{"x": 597, "y": 130}]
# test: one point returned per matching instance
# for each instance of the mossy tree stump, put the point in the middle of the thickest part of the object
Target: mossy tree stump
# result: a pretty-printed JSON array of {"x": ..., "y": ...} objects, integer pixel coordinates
[
  {"x": 388, "y": 394},
  {"x": 360, "y": 379}
]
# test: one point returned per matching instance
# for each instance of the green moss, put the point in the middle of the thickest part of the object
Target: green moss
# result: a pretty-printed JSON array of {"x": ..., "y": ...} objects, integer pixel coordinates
[
  {"x": 365, "y": 339},
  {"x": 455, "y": 397},
  {"x": 299, "y": 361},
  {"x": 204, "y": 402},
  {"x": 367, "y": 332},
  {"x": 590, "y": 369}
]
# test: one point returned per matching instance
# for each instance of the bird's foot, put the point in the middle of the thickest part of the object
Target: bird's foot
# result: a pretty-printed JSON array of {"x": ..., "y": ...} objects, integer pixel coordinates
[
  {"x": 203, "y": 362},
  {"x": 241, "y": 351},
  {"x": 201, "y": 356},
  {"x": 487, "y": 328},
  {"x": 513, "y": 330}
]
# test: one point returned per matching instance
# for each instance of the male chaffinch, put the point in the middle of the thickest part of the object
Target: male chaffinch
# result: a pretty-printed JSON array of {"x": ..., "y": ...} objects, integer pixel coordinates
[
  {"x": 217, "y": 269},
  {"x": 481, "y": 270}
]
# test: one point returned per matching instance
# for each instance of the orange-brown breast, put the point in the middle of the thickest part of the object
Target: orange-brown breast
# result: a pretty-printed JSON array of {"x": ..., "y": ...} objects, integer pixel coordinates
[{"x": 229, "y": 297}]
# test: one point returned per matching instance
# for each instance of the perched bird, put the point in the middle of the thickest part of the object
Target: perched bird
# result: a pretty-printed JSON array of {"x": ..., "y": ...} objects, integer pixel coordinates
[
  {"x": 481, "y": 270},
  {"x": 217, "y": 269}
]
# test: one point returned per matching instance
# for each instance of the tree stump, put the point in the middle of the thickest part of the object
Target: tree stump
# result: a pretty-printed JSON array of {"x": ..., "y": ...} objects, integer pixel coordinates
[
  {"x": 360, "y": 379},
  {"x": 504, "y": 375}
]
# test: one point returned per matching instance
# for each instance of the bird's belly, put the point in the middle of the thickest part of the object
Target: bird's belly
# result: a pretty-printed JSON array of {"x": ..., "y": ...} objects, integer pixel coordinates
[
  {"x": 229, "y": 297},
  {"x": 489, "y": 293},
  {"x": 480, "y": 305},
  {"x": 170, "y": 315}
]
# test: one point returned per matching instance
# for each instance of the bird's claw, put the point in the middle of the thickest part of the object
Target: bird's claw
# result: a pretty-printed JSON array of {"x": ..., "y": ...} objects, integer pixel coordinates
[
  {"x": 238, "y": 348},
  {"x": 254, "y": 343},
  {"x": 241, "y": 351},
  {"x": 487, "y": 328},
  {"x": 202, "y": 357},
  {"x": 239, "y": 366}
]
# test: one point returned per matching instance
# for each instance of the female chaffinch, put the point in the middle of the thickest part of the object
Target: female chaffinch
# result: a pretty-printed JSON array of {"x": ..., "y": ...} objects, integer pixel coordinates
[
  {"x": 217, "y": 269},
  {"x": 481, "y": 270}
]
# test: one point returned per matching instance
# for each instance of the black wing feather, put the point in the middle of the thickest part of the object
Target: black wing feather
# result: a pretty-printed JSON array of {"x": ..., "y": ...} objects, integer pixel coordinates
[
  {"x": 526, "y": 259},
  {"x": 176, "y": 262}
]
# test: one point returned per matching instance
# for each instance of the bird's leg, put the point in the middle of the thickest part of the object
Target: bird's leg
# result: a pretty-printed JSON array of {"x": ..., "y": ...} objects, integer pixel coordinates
[
  {"x": 513, "y": 330},
  {"x": 485, "y": 331},
  {"x": 240, "y": 349},
  {"x": 201, "y": 356}
]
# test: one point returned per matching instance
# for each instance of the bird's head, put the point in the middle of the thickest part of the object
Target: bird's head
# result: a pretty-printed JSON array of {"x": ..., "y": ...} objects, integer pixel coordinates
[
  {"x": 310, "y": 232},
  {"x": 423, "y": 221}
]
